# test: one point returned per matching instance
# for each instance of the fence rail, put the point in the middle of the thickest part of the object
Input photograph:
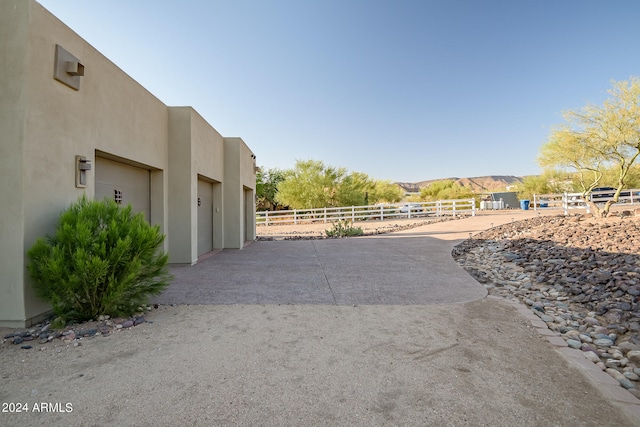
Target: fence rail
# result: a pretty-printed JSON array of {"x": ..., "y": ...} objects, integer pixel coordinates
[
  {"x": 572, "y": 201},
  {"x": 367, "y": 213}
]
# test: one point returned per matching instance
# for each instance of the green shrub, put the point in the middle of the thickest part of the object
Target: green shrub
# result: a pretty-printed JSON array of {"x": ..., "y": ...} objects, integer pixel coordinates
[
  {"x": 102, "y": 259},
  {"x": 343, "y": 228}
]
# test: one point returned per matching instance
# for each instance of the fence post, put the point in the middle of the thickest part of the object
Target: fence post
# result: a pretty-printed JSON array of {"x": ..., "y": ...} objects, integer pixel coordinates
[
  {"x": 353, "y": 213},
  {"x": 295, "y": 217},
  {"x": 325, "y": 214},
  {"x": 266, "y": 218},
  {"x": 565, "y": 203},
  {"x": 473, "y": 207},
  {"x": 534, "y": 202},
  {"x": 381, "y": 212},
  {"x": 454, "y": 208}
]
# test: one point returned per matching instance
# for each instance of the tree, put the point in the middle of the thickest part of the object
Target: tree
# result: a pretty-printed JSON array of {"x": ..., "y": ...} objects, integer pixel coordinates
[
  {"x": 310, "y": 184},
  {"x": 385, "y": 192},
  {"x": 445, "y": 190},
  {"x": 547, "y": 183},
  {"x": 354, "y": 190},
  {"x": 596, "y": 139},
  {"x": 267, "y": 181}
]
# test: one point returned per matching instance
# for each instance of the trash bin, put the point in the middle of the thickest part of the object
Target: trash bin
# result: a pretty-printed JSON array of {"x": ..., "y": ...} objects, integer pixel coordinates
[{"x": 524, "y": 205}]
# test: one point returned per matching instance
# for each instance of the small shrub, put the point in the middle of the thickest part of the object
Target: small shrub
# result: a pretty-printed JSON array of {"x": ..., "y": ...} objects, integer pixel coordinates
[
  {"x": 343, "y": 228},
  {"x": 102, "y": 259}
]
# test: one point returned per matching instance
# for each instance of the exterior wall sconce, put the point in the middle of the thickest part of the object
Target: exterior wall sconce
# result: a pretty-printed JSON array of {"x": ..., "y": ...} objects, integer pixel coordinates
[
  {"x": 67, "y": 68},
  {"x": 82, "y": 166},
  {"x": 75, "y": 68}
]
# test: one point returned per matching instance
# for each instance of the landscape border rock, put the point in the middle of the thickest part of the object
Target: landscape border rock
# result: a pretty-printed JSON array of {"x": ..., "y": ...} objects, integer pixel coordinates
[{"x": 72, "y": 334}]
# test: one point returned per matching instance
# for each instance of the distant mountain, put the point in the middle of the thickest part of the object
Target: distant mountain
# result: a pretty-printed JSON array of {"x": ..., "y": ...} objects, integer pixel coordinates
[{"x": 478, "y": 184}]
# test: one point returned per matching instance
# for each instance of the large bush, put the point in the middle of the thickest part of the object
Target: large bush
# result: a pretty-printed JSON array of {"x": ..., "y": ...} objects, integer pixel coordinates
[{"x": 102, "y": 259}]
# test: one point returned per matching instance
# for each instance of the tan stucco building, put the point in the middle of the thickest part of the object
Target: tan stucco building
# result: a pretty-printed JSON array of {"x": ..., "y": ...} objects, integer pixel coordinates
[{"x": 73, "y": 123}]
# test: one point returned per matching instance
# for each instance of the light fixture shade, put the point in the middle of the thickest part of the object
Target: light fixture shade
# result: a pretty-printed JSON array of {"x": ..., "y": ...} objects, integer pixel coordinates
[{"x": 75, "y": 68}]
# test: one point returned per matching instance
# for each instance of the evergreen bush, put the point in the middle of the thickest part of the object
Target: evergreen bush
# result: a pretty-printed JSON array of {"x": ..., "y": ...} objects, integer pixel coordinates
[{"x": 102, "y": 259}]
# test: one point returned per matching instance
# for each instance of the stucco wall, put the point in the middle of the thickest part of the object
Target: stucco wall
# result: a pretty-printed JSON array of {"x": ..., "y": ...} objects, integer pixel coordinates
[
  {"x": 248, "y": 182},
  {"x": 13, "y": 64},
  {"x": 196, "y": 151},
  {"x": 208, "y": 148},
  {"x": 208, "y": 163},
  {"x": 239, "y": 207},
  {"x": 62, "y": 123},
  {"x": 180, "y": 192},
  {"x": 44, "y": 124}
]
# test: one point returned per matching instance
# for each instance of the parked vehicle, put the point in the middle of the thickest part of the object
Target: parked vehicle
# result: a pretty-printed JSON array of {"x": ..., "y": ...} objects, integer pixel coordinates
[
  {"x": 411, "y": 207},
  {"x": 609, "y": 192},
  {"x": 603, "y": 193}
]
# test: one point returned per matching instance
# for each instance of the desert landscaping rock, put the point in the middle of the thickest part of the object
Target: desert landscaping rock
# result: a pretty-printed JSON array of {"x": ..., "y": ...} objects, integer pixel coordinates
[
  {"x": 579, "y": 274},
  {"x": 44, "y": 335}
]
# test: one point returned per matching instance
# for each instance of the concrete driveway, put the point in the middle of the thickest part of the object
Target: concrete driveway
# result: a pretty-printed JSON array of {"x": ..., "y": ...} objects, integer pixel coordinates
[{"x": 408, "y": 267}]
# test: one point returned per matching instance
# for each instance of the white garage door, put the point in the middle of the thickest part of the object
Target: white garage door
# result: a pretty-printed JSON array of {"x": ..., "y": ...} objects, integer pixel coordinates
[
  {"x": 123, "y": 183},
  {"x": 205, "y": 217}
]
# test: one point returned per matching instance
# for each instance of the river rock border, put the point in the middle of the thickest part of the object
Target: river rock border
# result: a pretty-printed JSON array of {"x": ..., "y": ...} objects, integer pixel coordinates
[{"x": 43, "y": 334}]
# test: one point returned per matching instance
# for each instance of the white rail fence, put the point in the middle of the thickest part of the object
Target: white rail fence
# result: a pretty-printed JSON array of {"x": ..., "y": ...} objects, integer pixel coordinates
[
  {"x": 572, "y": 201},
  {"x": 367, "y": 213}
]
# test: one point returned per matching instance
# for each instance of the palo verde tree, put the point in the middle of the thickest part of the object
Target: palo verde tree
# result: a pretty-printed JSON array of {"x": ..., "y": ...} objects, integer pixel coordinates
[
  {"x": 354, "y": 190},
  {"x": 358, "y": 189},
  {"x": 310, "y": 184},
  {"x": 596, "y": 139},
  {"x": 385, "y": 192},
  {"x": 445, "y": 190}
]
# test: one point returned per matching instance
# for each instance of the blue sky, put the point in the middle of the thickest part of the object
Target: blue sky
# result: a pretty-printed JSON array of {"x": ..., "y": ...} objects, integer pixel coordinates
[{"x": 402, "y": 90}]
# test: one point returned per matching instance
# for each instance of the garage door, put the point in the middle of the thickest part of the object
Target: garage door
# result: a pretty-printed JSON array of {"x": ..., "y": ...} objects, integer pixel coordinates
[
  {"x": 123, "y": 183},
  {"x": 205, "y": 217}
]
